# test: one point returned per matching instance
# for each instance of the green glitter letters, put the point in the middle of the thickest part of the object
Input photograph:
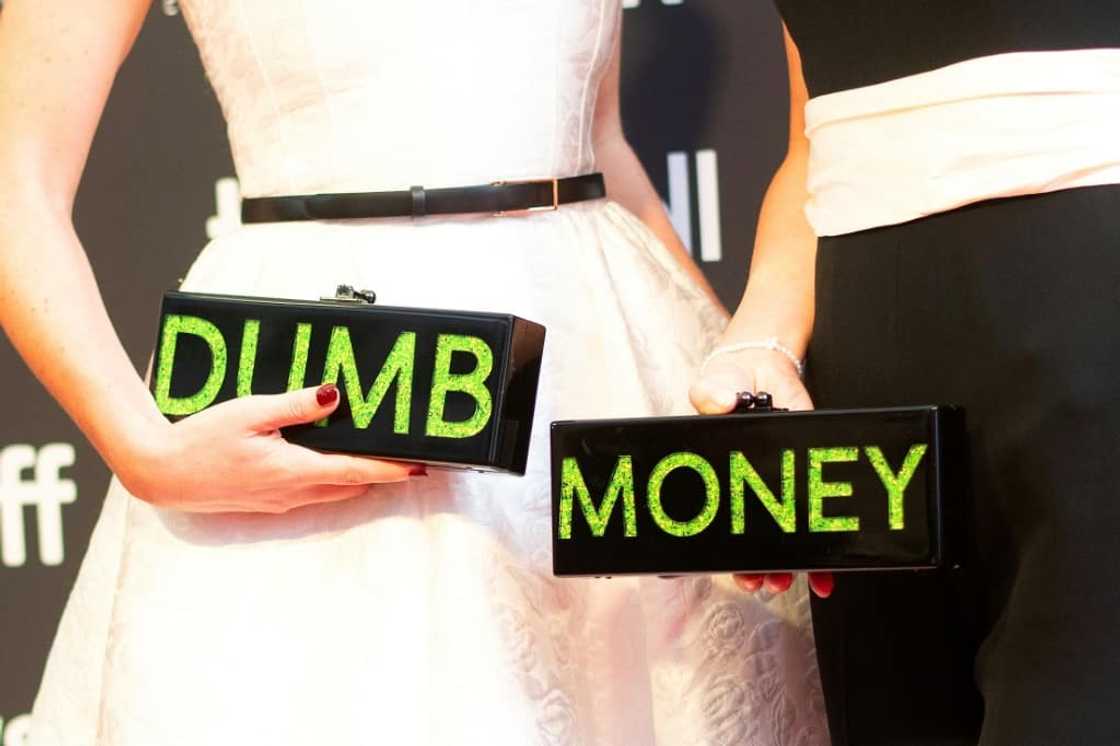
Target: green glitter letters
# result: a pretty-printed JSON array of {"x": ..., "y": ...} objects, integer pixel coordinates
[
  {"x": 248, "y": 359},
  {"x": 398, "y": 366},
  {"x": 472, "y": 384},
  {"x": 297, "y": 374},
  {"x": 741, "y": 476},
  {"x": 247, "y": 362},
  {"x": 572, "y": 485},
  {"x": 896, "y": 484},
  {"x": 784, "y": 512},
  {"x": 173, "y": 326},
  {"x": 820, "y": 489},
  {"x": 664, "y": 467}
]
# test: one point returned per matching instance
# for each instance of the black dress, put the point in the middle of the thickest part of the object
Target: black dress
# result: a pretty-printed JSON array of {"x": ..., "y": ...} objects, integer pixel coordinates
[{"x": 1010, "y": 308}]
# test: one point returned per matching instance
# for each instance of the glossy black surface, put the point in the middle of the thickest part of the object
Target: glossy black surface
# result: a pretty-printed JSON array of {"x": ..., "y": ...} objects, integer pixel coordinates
[
  {"x": 929, "y": 499},
  {"x": 516, "y": 344}
]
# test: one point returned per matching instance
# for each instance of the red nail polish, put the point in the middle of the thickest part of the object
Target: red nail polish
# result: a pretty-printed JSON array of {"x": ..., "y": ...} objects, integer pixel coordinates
[
  {"x": 327, "y": 394},
  {"x": 824, "y": 584},
  {"x": 420, "y": 470},
  {"x": 779, "y": 582},
  {"x": 749, "y": 582}
]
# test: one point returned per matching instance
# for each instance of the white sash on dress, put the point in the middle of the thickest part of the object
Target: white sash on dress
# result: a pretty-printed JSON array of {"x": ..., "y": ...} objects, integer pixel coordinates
[{"x": 998, "y": 126}]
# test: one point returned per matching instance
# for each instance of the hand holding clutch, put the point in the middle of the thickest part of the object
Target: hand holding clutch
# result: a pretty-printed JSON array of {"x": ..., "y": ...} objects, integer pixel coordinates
[
  {"x": 761, "y": 366},
  {"x": 232, "y": 458},
  {"x": 715, "y": 391}
]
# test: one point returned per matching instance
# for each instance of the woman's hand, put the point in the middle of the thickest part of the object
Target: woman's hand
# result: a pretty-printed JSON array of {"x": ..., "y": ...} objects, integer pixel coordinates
[
  {"x": 231, "y": 457},
  {"x": 714, "y": 392},
  {"x": 726, "y": 374}
]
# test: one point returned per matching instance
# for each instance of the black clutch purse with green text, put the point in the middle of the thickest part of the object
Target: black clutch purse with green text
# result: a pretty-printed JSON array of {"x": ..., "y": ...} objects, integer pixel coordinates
[
  {"x": 454, "y": 388},
  {"x": 759, "y": 491}
]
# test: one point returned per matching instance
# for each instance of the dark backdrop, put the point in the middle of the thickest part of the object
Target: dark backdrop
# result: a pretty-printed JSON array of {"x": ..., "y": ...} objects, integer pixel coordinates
[{"x": 704, "y": 103}]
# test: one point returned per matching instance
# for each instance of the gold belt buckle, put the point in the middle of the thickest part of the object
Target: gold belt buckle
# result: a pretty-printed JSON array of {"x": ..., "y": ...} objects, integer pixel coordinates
[{"x": 543, "y": 208}]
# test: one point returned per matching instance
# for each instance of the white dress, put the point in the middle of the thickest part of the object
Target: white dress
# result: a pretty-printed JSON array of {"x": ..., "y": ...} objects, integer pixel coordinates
[{"x": 426, "y": 613}]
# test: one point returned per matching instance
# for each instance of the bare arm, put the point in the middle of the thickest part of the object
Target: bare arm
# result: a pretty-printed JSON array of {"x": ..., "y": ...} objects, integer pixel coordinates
[
  {"x": 627, "y": 182},
  {"x": 778, "y": 300},
  {"x": 58, "y": 61}
]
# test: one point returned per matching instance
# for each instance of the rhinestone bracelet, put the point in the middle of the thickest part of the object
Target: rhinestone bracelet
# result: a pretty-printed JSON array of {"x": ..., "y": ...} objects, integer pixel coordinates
[{"x": 770, "y": 343}]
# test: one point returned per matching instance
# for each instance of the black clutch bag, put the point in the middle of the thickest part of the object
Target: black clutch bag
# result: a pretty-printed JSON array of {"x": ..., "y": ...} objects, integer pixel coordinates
[
  {"x": 873, "y": 489},
  {"x": 452, "y": 388}
]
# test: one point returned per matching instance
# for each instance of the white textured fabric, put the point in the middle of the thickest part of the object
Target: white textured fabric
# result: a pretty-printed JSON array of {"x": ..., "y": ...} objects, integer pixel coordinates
[
  {"x": 426, "y": 613},
  {"x": 998, "y": 126}
]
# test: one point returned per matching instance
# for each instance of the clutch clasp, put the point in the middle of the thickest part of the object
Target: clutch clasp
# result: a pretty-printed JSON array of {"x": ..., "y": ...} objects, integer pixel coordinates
[{"x": 347, "y": 294}]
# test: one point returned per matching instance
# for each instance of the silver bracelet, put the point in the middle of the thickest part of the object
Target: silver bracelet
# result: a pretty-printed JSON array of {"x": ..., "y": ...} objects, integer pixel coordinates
[{"x": 770, "y": 343}]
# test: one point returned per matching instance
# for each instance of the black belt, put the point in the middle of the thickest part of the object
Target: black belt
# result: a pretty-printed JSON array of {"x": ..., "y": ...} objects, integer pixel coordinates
[{"x": 499, "y": 198}]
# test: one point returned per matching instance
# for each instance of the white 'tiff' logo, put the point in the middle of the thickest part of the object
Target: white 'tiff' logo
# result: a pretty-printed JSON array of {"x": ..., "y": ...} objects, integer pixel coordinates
[
  {"x": 45, "y": 491},
  {"x": 17, "y": 732},
  {"x": 707, "y": 193}
]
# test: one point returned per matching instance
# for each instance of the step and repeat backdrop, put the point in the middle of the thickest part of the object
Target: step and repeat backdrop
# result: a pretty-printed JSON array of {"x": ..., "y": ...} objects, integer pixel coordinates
[{"x": 704, "y": 103}]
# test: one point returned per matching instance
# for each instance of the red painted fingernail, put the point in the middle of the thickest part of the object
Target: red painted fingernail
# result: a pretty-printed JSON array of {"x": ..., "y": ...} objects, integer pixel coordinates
[
  {"x": 420, "y": 470},
  {"x": 823, "y": 585},
  {"x": 327, "y": 394},
  {"x": 779, "y": 582},
  {"x": 749, "y": 582}
]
